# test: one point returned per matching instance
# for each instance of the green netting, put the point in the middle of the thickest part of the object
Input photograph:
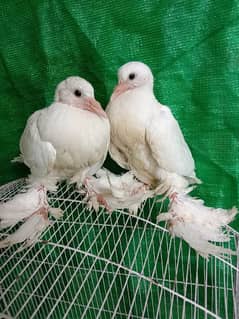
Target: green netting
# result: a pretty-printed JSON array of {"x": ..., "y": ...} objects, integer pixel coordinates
[{"x": 191, "y": 46}]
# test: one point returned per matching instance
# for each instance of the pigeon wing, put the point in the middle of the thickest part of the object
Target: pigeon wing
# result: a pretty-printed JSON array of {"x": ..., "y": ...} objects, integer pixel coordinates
[
  {"x": 167, "y": 144},
  {"x": 37, "y": 154}
]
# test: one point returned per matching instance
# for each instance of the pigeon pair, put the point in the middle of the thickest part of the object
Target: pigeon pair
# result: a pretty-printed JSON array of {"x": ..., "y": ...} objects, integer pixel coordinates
[{"x": 70, "y": 139}]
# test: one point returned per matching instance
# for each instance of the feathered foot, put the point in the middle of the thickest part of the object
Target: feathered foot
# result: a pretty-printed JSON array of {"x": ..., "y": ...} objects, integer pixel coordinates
[
  {"x": 77, "y": 178},
  {"x": 94, "y": 198},
  {"x": 31, "y": 208},
  {"x": 57, "y": 213},
  {"x": 22, "y": 206},
  {"x": 102, "y": 201},
  {"x": 49, "y": 182},
  {"x": 197, "y": 224},
  {"x": 116, "y": 192},
  {"x": 30, "y": 230}
]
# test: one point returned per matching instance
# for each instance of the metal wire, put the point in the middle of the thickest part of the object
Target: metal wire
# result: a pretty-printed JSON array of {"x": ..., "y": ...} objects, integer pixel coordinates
[{"x": 100, "y": 265}]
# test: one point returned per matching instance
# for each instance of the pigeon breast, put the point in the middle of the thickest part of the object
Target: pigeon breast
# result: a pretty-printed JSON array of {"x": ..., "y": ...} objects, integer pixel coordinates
[{"x": 81, "y": 138}]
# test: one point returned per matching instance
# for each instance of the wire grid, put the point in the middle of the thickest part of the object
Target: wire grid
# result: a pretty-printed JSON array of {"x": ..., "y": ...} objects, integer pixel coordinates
[{"x": 100, "y": 265}]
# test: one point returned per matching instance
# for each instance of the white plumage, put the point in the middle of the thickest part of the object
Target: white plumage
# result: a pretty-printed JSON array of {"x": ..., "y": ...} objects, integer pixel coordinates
[
  {"x": 22, "y": 206},
  {"x": 30, "y": 207},
  {"x": 146, "y": 139},
  {"x": 28, "y": 232},
  {"x": 67, "y": 140},
  {"x": 198, "y": 224},
  {"x": 116, "y": 192}
]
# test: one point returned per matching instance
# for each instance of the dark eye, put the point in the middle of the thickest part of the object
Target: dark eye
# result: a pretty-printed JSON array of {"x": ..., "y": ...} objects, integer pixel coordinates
[
  {"x": 77, "y": 93},
  {"x": 131, "y": 76}
]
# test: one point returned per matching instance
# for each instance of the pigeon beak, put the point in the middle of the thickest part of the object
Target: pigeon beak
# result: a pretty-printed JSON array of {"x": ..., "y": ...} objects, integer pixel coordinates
[
  {"x": 91, "y": 105},
  {"x": 120, "y": 88}
]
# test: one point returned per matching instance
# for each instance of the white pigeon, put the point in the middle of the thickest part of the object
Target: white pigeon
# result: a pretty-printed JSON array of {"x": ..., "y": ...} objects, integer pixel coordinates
[
  {"x": 67, "y": 140},
  {"x": 146, "y": 139}
]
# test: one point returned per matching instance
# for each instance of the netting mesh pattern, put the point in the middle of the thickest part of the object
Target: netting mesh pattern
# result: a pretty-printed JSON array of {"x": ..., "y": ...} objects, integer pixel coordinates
[{"x": 100, "y": 265}]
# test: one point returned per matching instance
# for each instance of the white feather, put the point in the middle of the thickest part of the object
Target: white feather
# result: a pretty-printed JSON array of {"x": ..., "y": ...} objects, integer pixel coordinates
[
  {"x": 198, "y": 224},
  {"x": 146, "y": 138},
  {"x": 119, "y": 192},
  {"x": 28, "y": 232},
  {"x": 65, "y": 141},
  {"x": 31, "y": 208},
  {"x": 8, "y": 223},
  {"x": 167, "y": 143},
  {"x": 57, "y": 213},
  {"x": 22, "y": 206},
  {"x": 153, "y": 146},
  {"x": 38, "y": 154}
]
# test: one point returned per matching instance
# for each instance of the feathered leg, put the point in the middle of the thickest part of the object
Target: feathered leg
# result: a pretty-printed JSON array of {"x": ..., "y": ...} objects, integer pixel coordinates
[
  {"x": 198, "y": 224},
  {"x": 50, "y": 181},
  {"x": 115, "y": 192},
  {"x": 97, "y": 198},
  {"x": 31, "y": 207}
]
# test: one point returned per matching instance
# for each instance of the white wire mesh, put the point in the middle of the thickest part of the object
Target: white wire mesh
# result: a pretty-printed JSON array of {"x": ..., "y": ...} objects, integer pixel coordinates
[{"x": 100, "y": 265}]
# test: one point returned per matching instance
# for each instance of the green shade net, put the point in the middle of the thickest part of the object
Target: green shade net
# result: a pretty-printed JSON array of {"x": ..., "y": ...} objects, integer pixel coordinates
[{"x": 192, "y": 48}]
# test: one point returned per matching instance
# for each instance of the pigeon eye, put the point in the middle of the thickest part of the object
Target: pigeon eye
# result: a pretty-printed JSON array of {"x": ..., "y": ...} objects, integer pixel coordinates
[
  {"x": 132, "y": 76},
  {"x": 77, "y": 93}
]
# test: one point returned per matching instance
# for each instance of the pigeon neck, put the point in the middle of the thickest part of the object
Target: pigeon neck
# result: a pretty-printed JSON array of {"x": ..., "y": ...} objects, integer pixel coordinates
[{"x": 145, "y": 88}]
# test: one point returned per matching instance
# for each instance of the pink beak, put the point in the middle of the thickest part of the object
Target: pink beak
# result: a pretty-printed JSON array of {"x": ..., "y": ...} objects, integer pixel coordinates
[
  {"x": 91, "y": 105},
  {"x": 119, "y": 89}
]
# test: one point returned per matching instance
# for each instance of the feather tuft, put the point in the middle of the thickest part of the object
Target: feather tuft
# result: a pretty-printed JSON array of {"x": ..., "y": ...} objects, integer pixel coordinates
[
  {"x": 28, "y": 232},
  {"x": 50, "y": 182},
  {"x": 22, "y": 205},
  {"x": 198, "y": 224},
  {"x": 31, "y": 208},
  {"x": 119, "y": 192}
]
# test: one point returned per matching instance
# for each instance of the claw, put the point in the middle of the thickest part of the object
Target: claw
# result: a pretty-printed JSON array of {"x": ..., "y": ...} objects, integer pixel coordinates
[
  {"x": 163, "y": 217},
  {"x": 101, "y": 200},
  {"x": 57, "y": 213},
  {"x": 173, "y": 196},
  {"x": 43, "y": 211}
]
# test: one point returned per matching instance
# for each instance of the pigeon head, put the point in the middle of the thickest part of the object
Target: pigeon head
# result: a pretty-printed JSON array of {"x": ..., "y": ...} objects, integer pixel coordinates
[
  {"x": 78, "y": 93},
  {"x": 133, "y": 75}
]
